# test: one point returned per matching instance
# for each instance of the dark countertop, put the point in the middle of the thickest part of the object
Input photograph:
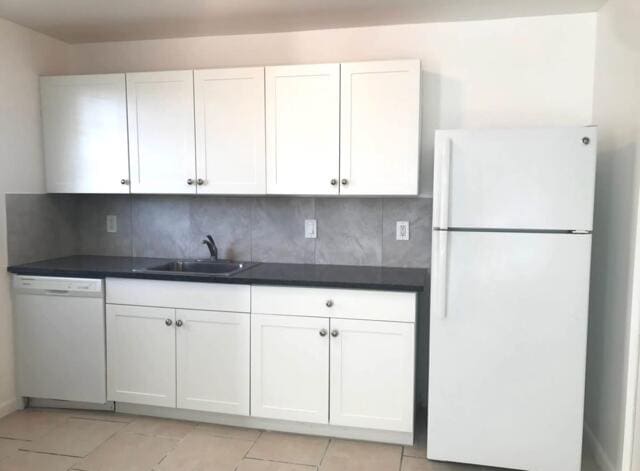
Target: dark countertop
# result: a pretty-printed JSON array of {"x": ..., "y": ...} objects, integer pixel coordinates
[{"x": 285, "y": 274}]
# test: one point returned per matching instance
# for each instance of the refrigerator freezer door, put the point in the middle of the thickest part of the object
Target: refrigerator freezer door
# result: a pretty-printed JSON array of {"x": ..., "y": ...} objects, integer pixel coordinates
[
  {"x": 538, "y": 178},
  {"x": 507, "y": 362}
]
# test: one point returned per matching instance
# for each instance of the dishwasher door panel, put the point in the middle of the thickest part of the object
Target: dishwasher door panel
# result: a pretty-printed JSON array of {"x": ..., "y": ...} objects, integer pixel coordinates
[{"x": 60, "y": 347}]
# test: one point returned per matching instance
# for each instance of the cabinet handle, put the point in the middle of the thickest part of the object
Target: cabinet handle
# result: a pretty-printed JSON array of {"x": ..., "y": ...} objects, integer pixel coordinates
[
  {"x": 586, "y": 141},
  {"x": 323, "y": 332},
  {"x": 334, "y": 182},
  {"x": 168, "y": 322},
  {"x": 335, "y": 333},
  {"x": 200, "y": 181},
  {"x": 190, "y": 181},
  {"x": 124, "y": 181},
  {"x": 178, "y": 323},
  {"x": 329, "y": 303},
  {"x": 345, "y": 181}
]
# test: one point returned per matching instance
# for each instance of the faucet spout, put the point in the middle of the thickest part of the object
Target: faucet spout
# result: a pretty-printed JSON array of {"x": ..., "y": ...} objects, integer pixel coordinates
[{"x": 211, "y": 245}]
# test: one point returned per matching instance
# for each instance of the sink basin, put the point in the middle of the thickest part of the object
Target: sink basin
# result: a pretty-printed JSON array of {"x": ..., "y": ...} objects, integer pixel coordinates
[{"x": 201, "y": 267}]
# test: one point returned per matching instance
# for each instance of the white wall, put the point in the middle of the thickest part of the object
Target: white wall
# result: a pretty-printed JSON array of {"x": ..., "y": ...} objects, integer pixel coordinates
[
  {"x": 513, "y": 72},
  {"x": 614, "y": 273},
  {"x": 24, "y": 55}
]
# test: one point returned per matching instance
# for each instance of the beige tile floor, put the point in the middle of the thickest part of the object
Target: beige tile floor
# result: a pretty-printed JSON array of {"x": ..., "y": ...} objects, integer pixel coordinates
[{"x": 54, "y": 440}]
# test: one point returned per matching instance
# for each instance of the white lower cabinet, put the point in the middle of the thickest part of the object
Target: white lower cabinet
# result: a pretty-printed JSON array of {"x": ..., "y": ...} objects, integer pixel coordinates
[
  {"x": 212, "y": 361},
  {"x": 290, "y": 368},
  {"x": 332, "y": 357},
  {"x": 372, "y": 374},
  {"x": 141, "y": 366}
]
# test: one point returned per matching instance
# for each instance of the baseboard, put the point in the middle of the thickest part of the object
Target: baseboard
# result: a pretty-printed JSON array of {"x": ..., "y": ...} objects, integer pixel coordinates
[
  {"x": 57, "y": 404},
  {"x": 7, "y": 407},
  {"x": 599, "y": 454},
  {"x": 400, "y": 438}
]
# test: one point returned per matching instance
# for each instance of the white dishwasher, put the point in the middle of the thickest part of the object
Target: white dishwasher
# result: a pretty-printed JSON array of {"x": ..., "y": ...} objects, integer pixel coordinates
[{"x": 60, "y": 338}]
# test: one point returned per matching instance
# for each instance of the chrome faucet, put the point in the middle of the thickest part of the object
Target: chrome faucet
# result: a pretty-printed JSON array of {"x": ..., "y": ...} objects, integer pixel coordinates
[{"x": 211, "y": 245}]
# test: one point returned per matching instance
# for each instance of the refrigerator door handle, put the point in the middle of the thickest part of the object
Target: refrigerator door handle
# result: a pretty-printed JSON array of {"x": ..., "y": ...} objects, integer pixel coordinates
[
  {"x": 445, "y": 173},
  {"x": 440, "y": 294}
]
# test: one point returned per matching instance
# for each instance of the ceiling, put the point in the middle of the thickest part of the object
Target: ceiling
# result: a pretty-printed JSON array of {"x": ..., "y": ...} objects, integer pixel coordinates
[{"x": 78, "y": 21}]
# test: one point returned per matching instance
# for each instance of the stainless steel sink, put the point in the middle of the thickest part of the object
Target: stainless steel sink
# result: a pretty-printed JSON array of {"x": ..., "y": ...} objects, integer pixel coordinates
[{"x": 190, "y": 267}]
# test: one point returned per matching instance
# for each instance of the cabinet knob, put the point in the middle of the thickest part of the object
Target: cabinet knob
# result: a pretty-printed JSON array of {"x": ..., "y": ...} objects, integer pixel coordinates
[
  {"x": 323, "y": 332},
  {"x": 124, "y": 181},
  {"x": 334, "y": 333},
  {"x": 345, "y": 181},
  {"x": 168, "y": 322},
  {"x": 200, "y": 181},
  {"x": 334, "y": 182},
  {"x": 178, "y": 323},
  {"x": 586, "y": 141},
  {"x": 190, "y": 181},
  {"x": 329, "y": 303}
]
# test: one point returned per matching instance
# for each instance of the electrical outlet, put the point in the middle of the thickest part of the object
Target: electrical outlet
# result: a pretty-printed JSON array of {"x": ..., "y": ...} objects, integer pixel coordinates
[
  {"x": 402, "y": 230},
  {"x": 112, "y": 223},
  {"x": 310, "y": 229}
]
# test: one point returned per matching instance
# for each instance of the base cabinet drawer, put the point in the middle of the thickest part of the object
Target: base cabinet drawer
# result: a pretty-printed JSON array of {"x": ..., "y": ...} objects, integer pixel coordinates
[
  {"x": 334, "y": 303},
  {"x": 141, "y": 366},
  {"x": 212, "y": 359},
  {"x": 290, "y": 368},
  {"x": 372, "y": 374}
]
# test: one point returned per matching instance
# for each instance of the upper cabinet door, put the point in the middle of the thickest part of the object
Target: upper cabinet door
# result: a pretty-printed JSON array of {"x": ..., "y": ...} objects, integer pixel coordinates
[
  {"x": 230, "y": 147},
  {"x": 84, "y": 122},
  {"x": 303, "y": 106},
  {"x": 380, "y": 128},
  {"x": 161, "y": 132}
]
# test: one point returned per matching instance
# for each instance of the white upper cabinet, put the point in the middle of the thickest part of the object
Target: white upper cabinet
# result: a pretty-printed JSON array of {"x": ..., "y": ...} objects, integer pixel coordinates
[
  {"x": 229, "y": 115},
  {"x": 380, "y": 128},
  {"x": 324, "y": 129},
  {"x": 84, "y": 123},
  {"x": 303, "y": 115},
  {"x": 161, "y": 132}
]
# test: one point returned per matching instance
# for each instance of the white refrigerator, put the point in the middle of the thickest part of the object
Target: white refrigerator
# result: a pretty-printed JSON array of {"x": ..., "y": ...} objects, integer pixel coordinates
[{"x": 511, "y": 250}]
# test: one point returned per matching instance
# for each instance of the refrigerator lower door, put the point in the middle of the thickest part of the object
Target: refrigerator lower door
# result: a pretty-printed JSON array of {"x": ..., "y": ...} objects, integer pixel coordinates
[{"x": 507, "y": 356}]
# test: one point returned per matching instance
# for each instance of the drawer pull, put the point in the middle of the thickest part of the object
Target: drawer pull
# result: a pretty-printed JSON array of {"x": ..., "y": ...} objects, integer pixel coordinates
[{"x": 329, "y": 303}]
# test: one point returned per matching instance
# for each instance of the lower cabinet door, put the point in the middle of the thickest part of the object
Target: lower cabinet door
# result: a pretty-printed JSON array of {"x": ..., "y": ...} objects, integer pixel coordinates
[
  {"x": 290, "y": 368},
  {"x": 372, "y": 374},
  {"x": 213, "y": 361},
  {"x": 141, "y": 366}
]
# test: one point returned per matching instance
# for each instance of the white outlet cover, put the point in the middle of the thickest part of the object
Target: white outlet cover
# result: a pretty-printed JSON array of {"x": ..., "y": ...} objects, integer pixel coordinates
[
  {"x": 112, "y": 223},
  {"x": 402, "y": 230},
  {"x": 310, "y": 229}
]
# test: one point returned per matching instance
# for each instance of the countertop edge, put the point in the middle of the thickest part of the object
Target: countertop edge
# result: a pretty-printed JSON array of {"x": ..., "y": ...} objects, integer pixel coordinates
[{"x": 235, "y": 279}]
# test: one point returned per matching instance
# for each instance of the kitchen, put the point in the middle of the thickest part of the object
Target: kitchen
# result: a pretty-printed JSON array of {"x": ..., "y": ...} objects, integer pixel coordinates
[{"x": 338, "y": 249}]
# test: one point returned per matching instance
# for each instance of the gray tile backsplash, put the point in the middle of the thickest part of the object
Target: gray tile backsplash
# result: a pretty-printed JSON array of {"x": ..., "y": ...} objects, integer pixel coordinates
[
  {"x": 92, "y": 236},
  {"x": 278, "y": 230},
  {"x": 40, "y": 227},
  {"x": 351, "y": 231}
]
